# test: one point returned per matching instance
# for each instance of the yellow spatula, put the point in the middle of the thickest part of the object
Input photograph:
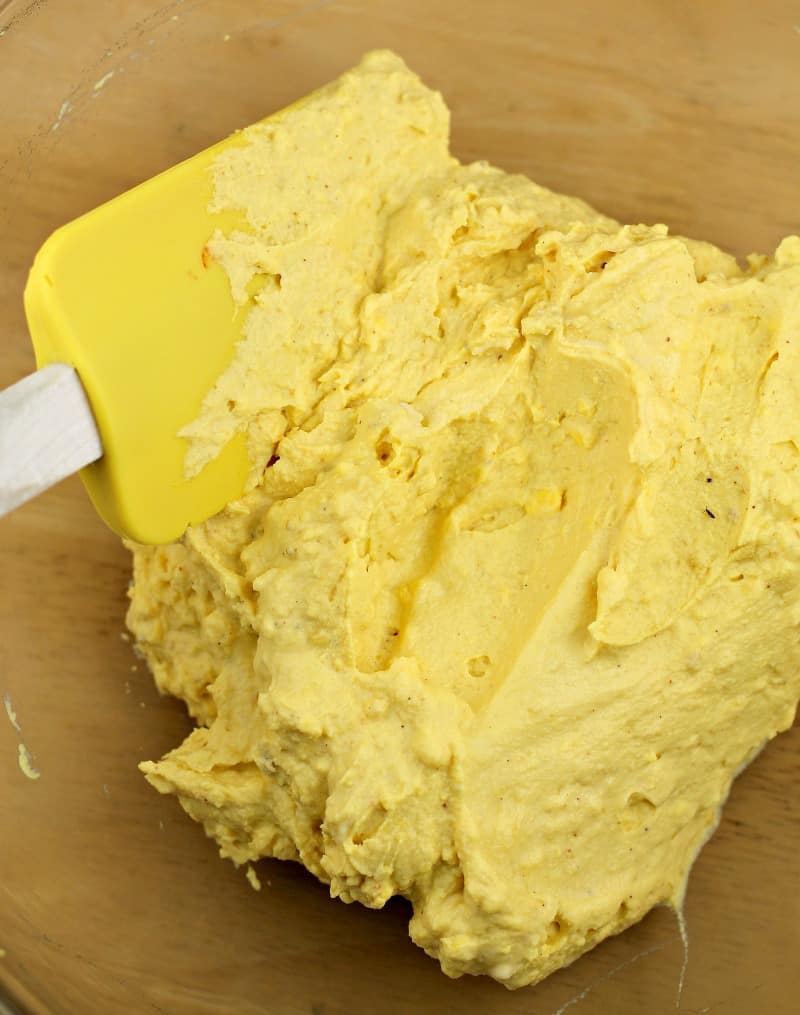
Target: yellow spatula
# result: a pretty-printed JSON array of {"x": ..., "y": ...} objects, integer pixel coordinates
[{"x": 127, "y": 301}]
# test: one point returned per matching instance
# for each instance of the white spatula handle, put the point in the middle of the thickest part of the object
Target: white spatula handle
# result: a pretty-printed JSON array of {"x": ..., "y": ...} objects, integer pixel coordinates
[{"x": 47, "y": 432}]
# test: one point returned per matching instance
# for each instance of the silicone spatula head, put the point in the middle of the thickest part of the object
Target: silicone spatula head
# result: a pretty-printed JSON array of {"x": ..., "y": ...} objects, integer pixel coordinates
[{"x": 128, "y": 295}]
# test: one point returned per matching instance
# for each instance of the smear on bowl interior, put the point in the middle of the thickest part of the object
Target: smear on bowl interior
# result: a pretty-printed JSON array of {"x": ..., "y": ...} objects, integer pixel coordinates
[{"x": 514, "y": 591}]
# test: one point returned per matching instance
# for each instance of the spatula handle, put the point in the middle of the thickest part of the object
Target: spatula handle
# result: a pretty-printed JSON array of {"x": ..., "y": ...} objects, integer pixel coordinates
[{"x": 47, "y": 432}]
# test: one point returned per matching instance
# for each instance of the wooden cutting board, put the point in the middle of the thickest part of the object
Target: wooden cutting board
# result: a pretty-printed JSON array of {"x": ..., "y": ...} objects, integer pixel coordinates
[{"x": 111, "y": 900}]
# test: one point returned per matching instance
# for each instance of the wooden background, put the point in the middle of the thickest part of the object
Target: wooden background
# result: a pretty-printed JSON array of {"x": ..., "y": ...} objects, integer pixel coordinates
[{"x": 110, "y": 899}]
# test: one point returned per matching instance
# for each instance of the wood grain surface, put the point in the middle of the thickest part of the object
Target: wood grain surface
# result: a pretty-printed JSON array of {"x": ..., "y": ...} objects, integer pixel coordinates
[{"x": 111, "y": 900}]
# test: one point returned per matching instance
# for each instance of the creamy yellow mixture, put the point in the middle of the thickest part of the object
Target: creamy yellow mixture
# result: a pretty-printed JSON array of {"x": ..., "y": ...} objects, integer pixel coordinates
[{"x": 515, "y": 589}]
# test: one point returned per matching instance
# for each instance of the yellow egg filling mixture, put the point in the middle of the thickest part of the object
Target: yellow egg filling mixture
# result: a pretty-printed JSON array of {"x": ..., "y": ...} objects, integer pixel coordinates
[{"x": 514, "y": 590}]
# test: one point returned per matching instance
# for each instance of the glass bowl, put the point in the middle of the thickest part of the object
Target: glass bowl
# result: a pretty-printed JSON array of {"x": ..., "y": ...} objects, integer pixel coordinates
[{"x": 111, "y": 899}]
